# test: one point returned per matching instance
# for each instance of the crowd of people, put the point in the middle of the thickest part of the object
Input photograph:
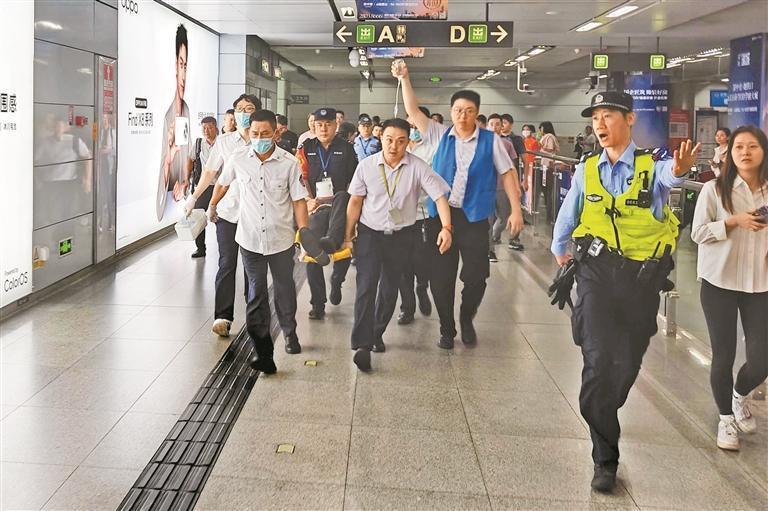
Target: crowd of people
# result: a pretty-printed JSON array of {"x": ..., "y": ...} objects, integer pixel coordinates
[{"x": 413, "y": 199}]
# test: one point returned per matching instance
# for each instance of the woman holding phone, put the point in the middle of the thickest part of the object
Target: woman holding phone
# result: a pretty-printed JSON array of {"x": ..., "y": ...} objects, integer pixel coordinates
[{"x": 731, "y": 229}]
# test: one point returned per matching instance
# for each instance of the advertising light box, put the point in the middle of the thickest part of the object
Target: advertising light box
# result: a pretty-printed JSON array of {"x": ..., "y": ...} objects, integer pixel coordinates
[
  {"x": 17, "y": 49},
  {"x": 168, "y": 80}
]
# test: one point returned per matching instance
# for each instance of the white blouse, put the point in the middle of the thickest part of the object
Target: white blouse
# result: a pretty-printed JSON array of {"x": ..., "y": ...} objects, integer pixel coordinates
[{"x": 735, "y": 260}]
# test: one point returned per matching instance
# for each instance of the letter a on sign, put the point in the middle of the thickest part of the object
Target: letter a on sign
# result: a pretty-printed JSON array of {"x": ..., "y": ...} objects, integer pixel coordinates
[
  {"x": 386, "y": 34},
  {"x": 457, "y": 33}
]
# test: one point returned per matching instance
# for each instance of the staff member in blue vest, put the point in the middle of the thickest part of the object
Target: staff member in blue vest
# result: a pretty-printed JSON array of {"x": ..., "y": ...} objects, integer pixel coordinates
[
  {"x": 624, "y": 234},
  {"x": 469, "y": 159}
]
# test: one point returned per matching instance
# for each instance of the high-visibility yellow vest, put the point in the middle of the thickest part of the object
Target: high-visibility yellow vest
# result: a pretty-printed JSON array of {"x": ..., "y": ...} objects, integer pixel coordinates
[{"x": 626, "y": 222}]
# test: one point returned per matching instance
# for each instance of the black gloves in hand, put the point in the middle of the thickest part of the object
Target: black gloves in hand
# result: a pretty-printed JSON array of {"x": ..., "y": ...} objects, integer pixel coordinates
[{"x": 560, "y": 290}]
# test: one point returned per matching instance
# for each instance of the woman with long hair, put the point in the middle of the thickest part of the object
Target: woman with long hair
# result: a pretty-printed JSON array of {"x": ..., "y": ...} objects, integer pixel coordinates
[
  {"x": 731, "y": 227},
  {"x": 549, "y": 144},
  {"x": 717, "y": 163}
]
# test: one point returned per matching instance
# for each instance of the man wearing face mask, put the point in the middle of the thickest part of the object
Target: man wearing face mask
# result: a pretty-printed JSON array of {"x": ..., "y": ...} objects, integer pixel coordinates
[
  {"x": 331, "y": 162},
  {"x": 469, "y": 159},
  {"x": 365, "y": 143},
  {"x": 226, "y": 211},
  {"x": 271, "y": 197}
]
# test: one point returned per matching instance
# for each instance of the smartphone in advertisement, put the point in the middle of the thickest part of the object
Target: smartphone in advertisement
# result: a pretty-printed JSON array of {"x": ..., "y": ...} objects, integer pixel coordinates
[
  {"x": 762, "y": 213},
  {"x": 181, "y": 131}
]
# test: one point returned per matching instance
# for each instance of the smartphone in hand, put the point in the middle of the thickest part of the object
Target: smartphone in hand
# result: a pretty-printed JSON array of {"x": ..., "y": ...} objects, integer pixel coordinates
[{"x": 763, "y": 214}]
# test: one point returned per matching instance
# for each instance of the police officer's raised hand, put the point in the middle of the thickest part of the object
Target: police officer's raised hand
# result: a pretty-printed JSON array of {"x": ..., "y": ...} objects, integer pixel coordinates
[
  {"x": 685, "y": 158},
  {"x": 444, "y": 240},
  {"x": 515, "y": 222},
  {"x": 747, "y": 220}
]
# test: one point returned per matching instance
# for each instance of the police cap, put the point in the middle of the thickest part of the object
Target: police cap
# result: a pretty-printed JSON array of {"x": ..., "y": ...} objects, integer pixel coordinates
[
  {"x": 364, "y": 119},
  {"x": 609, "y": 99},
  {"x": 325, "y": 114}
]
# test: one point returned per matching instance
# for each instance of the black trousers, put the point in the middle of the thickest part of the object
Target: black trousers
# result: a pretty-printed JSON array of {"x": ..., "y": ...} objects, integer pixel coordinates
[
  {"x": 202, "y": 203},
  {"x": 416, "y": 268},
  {"x": 257, "y": 312},
  {"x": 613, "y": 321},
  {"x": 379, "y": 262},
  {"x": 721, "y": 309},
  {"x": 329, "y": 222},
  {"x": 470, "y": 241},
  {"x": 225, "y": 276}
]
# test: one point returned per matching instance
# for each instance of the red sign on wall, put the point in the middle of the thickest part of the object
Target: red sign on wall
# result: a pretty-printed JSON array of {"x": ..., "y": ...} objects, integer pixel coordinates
[
  {"x": 679, "y": 126},
  {"x": 108, "y": 86}
]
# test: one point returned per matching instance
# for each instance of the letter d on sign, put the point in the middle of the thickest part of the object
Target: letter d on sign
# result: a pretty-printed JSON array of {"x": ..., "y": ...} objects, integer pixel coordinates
[{"x": 458, "y": 33}]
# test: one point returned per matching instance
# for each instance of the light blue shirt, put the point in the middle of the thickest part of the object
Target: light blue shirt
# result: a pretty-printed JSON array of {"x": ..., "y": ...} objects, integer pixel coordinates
[{"x": 616, "y": 179}]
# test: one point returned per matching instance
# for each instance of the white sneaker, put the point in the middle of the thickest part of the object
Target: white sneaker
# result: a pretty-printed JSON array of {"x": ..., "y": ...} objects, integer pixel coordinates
[
  {"x": 221, "y": 327},
  {"x": 744, "y": 419},
  {"x": 728, "y": 434}
]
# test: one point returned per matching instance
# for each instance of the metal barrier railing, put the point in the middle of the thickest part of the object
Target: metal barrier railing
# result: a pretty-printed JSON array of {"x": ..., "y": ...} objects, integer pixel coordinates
[{"x": 562, "y": 164}]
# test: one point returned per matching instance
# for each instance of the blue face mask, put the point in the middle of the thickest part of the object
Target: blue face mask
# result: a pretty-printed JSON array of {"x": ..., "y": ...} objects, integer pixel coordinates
[
  {"x": 414, "y": 135},
  {"x": 243, "y": 120},
  {"x": 261, "y": 145}
]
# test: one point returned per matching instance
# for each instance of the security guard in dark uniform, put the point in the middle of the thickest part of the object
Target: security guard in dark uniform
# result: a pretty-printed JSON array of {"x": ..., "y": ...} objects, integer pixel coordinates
[
  {"x": 330, "y": 165},
  {"x": 624, "y": 234}
]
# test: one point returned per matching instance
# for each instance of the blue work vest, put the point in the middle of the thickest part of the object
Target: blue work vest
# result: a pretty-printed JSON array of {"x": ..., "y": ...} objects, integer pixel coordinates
[{"x": 480, "y": 192}]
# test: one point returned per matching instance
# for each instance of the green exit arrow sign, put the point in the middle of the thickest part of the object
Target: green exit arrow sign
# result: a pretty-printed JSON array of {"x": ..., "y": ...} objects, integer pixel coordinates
[{"x": 65, "y": 247}]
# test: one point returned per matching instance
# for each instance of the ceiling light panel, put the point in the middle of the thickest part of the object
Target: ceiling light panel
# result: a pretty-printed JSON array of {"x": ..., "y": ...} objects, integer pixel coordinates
[
  {"x": 621, "y": 11},
  {"x": 590, "y": 25}
]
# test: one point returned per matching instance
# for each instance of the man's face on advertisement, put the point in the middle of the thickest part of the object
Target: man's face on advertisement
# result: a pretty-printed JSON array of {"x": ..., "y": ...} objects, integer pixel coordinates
[{"x": 181, "y": 71}]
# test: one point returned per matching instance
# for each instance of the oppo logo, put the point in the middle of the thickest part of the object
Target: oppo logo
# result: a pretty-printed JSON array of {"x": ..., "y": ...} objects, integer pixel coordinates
[{"x": 130, "y": 6}]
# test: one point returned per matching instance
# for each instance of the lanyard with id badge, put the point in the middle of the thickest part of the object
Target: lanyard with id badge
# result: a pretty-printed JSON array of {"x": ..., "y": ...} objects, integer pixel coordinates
[
  {"x": 324, "y": 187},
  {"x": 395, "y": 214}
]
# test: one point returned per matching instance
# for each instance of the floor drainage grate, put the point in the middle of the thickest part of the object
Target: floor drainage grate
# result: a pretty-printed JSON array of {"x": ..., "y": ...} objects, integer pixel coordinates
[{"x": 175, "y": 475}]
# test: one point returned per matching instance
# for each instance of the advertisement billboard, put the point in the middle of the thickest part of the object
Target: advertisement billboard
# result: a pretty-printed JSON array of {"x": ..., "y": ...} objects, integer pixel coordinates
[
  {"x": 168, "y": 83},
  {"x": 747, "y": 75},
  {"x": 17, "y": 49},
  {"x": 650, "y": 93},
  {"x": 402, "y": 9}
]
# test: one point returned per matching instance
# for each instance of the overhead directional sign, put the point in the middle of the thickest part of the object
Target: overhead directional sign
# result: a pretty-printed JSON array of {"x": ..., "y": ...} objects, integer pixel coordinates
[
  {"x": 431, "y": 34},
  {"x": 629, "y": 62}
]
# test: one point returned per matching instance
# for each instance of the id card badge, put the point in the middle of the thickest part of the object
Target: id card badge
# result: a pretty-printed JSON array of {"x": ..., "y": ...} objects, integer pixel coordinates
[
  {"x": 324, "y": 188},
  {"x": 396, "y": 216}
]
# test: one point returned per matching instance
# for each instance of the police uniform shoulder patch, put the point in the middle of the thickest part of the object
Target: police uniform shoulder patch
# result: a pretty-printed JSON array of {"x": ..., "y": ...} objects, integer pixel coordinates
[{"x": 661, "y": 153}]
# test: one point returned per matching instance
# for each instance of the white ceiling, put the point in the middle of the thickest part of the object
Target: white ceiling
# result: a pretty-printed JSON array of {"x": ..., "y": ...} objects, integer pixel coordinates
[{"x": 296, "y": 28}]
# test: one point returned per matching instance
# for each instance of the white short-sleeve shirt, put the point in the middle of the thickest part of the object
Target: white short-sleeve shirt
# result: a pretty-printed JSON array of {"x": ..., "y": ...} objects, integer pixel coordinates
[{"x": 267, "y": 192}]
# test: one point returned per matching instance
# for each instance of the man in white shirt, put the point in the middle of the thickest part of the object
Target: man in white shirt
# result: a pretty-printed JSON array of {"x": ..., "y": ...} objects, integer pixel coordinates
[
  {"x": 310, "y": 133},
  {"x": 271, "y": 197},
  {"x": 384, "y": 198},
  {"x": 195, "y": 165},
  {"x": 226, "y": 212}
]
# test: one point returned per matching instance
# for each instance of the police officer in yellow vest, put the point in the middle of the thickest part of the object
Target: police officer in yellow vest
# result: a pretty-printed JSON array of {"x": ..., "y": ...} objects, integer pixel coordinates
[{"x": 623, "y": 235}]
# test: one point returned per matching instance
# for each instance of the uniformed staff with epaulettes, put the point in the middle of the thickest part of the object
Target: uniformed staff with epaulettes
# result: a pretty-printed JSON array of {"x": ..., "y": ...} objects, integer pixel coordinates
[
  {"x": 331, "y": 162},
  {"x": 624, "y": 234}
]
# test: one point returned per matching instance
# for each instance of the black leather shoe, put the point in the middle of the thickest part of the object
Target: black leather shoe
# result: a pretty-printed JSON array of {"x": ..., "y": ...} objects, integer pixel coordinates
[
  {"x": 265, "y": 365},
  {"x": 328, "y": 245},
  {"x": 292, "y": 346},
  {"x": 404, "y": 319},
  {"x": 317, "y": 314},
  {"x": 445, "y": 343},
  {"x": 362, "y": 360},
  {"x": 198, "y": 253},
  {"x": 335, "y": 296},
  {"x": 468, "y": 334},
  {"x": 378, "y": 347},
  {"x": 425, "y": 305},
  {"x": 604, "y": 479}
]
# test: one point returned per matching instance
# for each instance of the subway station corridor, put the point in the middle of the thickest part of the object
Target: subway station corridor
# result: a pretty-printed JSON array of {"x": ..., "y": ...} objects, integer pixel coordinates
[{"x": 96, "y": 376}]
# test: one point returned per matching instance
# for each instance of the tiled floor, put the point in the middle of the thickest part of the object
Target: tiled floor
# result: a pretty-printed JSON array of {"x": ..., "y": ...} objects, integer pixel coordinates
[{"x": 94, "y": 378}]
